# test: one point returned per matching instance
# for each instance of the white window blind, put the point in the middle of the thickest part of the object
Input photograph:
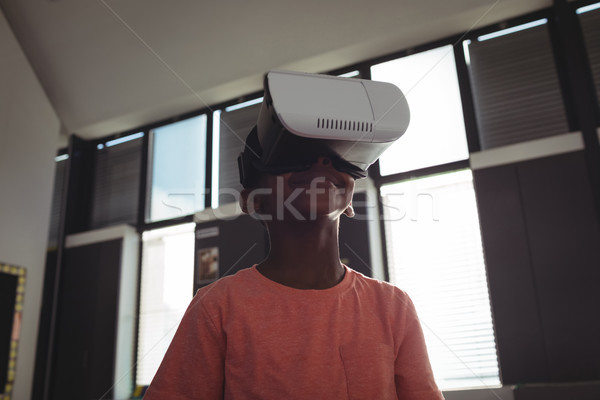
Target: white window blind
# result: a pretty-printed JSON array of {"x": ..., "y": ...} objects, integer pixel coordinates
[
  {"x": 117, "y": 168},
  {"x": 435, "y": 255},
  {"x": 166, "y": 290},
  {"x": 234, "y": 125},
  {"x": 515, "y": 85}
]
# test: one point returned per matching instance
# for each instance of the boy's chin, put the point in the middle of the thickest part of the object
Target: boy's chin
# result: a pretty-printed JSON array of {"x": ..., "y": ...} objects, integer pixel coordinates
[{"x": 314, "y": 212}]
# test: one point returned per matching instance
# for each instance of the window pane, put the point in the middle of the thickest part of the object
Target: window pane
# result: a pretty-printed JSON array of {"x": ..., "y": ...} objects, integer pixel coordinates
[
  {"x": 117, "y": 168},
  {"x": 235, "y": 123},
  {"x": 515, "y": 85},
  {"x": 55, "y": 211},
  {"x": 436, "y": 134},
  {"x": 178, "y": 169},
  {"x": 435, "y": 255},
  {"x": 166, "y": 290},
  {"x": 351, "y": 74}
]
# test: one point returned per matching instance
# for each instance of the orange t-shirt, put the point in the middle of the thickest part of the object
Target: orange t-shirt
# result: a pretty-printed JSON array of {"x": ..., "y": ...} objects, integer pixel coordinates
[{"x": 247, "y": 337}]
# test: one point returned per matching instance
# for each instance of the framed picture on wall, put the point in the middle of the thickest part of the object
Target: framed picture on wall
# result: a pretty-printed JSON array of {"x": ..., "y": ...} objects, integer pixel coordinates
[
  {"x": 208, "y": 264},
  {"x": 12, "y": 290}
]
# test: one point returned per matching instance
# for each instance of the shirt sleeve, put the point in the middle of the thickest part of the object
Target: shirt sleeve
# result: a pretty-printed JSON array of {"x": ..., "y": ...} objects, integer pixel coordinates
[
  {"x": 193, "y": 367},
  {"x": 413, "y": 374}
]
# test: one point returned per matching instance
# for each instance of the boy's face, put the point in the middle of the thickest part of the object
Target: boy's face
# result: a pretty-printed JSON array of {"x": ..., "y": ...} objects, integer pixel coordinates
[{"x": 319, "y": 192}]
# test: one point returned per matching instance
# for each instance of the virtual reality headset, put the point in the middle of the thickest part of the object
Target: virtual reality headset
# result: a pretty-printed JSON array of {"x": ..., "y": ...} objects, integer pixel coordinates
[{"x": 306, "y": 116}]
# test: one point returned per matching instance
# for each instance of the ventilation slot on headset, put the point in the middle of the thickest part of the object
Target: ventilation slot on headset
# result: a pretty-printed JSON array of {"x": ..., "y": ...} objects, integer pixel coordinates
[{"x": 345, "y": 125}]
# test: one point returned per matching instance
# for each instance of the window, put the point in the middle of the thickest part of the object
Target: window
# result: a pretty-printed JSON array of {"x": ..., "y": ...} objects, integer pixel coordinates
[
  {"x": 589, "y": 16},
  {"x": 435, "y": 255},
  {"x": 60, "y": 173},
  {"x": 166, "y": 290},
  {"x": 436, "y": 134},
  {"x": 230, "y": 128},
  {"x": 177, "y": 169},
  {"x": 116, "y": 186},
  {"x": 515, "y": 85},
  {"x": 351, "y": 74}
]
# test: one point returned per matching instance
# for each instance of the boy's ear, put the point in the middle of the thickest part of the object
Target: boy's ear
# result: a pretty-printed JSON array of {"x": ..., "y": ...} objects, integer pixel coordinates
[
  {"x": 249, "y": 204},
  {"x": 349, "y": 211},
  {"x": 244, "y": 200}
]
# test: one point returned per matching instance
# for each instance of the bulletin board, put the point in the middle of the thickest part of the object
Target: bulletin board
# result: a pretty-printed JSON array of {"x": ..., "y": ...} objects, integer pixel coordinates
[{"x": 12, "y": 289}]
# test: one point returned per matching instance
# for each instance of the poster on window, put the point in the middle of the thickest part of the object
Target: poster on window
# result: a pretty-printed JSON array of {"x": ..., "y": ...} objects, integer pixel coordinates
[{"x": 208, "y": 264}]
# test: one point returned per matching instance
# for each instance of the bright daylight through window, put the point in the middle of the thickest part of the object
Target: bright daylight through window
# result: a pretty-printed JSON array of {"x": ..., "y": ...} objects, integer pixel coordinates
[
  {"x": 436, "y": 134},
  {"x": 166, "y": 290},
  {"x": 177, "y": 165},
  {"x": 435, "y": 255}
]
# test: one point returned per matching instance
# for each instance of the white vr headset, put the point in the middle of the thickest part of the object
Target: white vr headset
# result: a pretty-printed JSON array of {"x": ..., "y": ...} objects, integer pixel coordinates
[{"x": 304, "y": 116}]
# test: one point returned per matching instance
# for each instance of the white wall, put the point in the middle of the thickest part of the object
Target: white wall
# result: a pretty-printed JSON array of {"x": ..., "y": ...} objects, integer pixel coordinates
[{"x": 29, "y": 132}]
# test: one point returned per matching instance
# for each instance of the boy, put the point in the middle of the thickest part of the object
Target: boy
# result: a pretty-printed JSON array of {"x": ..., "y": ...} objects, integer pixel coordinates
[{"x": 299, "y": 325}]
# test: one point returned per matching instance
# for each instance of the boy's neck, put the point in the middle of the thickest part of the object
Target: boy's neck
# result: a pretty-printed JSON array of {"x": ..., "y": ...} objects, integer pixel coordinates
[{"x": 304, "y": 255}]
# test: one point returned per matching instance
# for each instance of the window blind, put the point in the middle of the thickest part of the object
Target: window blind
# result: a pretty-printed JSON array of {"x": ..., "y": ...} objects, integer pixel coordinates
[
  {"x": 516, "y": 89},
  {"x": 590, "y": 26},
  {"x": 59, "y": 181},
  {"x": 165, "y": 292},
  {"x": 116, "y": 184},
  {"x": 235, "y": 126},
  {"x": 435, "y": 255}
]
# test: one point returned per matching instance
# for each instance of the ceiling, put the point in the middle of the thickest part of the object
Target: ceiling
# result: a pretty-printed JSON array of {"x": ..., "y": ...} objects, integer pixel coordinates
[{"x": 109, "y": 66}]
